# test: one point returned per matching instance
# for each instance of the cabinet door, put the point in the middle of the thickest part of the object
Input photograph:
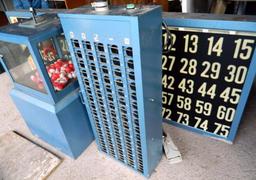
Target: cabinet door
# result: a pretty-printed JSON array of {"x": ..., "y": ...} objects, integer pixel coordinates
[
  {"x": 164, "y": 4},
  {"x": 3, "y": 22},
  {"x": 3, "y": 18},
  {"x": 70, "y": 4}
]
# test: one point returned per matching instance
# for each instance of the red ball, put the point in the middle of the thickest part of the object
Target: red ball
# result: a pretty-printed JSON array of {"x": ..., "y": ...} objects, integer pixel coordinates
[
  {"x": 52, "y": 66},
  {"x": 33, "y": 78},
  {"x": 37, "y": 74},
  {"x": 40, "y": 85},
  {"x": 55, "y": 83},
  {"x": 58, "y": 65},
  {"x": 59, "y": 86},
  {"x": 51, "y": 70},
  {"x": 58, "y": 70},
  {"x": 71, "y": 66},
  {"x": 55, "y": 77},
  {"x": 68, "y": 69}
]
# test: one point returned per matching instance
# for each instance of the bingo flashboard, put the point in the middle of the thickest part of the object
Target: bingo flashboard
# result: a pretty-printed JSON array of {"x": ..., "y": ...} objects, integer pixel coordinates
[{"x": 209, "y": 64}]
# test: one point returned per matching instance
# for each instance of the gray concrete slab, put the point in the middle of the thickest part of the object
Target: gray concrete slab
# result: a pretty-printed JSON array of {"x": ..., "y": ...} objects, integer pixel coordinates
[{"x": 203, "y": 157}]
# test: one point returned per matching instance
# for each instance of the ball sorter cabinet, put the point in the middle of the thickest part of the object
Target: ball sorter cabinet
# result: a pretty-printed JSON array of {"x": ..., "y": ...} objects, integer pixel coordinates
[
  {"x": 46, "y": 92},
  {"x": 117, "y": 55}
]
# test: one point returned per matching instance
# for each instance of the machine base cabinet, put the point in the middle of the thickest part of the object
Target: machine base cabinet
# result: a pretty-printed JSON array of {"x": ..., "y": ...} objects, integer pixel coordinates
[{"x": 64, "y": 125}]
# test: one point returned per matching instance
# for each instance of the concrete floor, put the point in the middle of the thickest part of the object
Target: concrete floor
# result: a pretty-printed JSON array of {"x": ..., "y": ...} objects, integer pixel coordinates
[{"x": 203, "y": 158}]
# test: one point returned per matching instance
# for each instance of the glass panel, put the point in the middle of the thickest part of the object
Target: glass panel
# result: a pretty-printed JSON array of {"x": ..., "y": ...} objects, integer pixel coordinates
[
  {"x": 21, "y": 65},
  {"x": 57, "y": 61},
  {"x": 48, "y": 51},
  {"x": 63, "y": 46}
]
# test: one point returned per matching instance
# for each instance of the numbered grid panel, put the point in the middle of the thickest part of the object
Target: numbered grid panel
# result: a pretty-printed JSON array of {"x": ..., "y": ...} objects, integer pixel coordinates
[
  {"x": 107, "y": 76},
  {"x": 204, "y": 72},
  {"x": 115, "y": 80}
]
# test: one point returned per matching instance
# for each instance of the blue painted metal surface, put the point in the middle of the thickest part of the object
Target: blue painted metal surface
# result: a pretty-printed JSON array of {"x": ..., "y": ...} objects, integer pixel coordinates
[
  {"x": 19, "y": 14},
  {"x": 59, "y": 118},
  {"x": 26, "y": 14},
  {"x": 118, "y": 57},
  {"x": 64, "y": 125},
  {"x": 219, "y": 22}
]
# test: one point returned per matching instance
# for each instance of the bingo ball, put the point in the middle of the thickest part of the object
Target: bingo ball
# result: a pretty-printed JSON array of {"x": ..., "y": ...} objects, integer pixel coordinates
[
  {"x": 74, "y": 75},
  {"x": 68, "y": 69},
  {"x": 70, "y": 75},
  {"x": 55, "y": 77},
  {"x": 37, "y": 74},
  {"x": 40, "y": 85},
  {"x": 33, "y": 78},
  {"x": 71, "y": 66},
  {"x": 51, "y": 70}
]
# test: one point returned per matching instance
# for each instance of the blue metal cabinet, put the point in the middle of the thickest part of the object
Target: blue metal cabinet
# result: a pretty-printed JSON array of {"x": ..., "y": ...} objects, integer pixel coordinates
[
  {"x": 46, "y": 92},
  {"x": 117, "y": 55},
  {"x": 209, "y": 95}
]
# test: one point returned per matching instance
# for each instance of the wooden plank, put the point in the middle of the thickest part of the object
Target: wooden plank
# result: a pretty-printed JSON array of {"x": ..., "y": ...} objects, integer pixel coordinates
[{"x": 22, "y": 159}]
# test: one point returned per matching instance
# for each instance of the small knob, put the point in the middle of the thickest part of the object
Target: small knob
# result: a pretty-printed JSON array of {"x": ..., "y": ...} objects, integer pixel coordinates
[
  {"x": 151, "y": 99},
  {"x": 130, "y": 6},
  {"x": 33, "y": 12}
]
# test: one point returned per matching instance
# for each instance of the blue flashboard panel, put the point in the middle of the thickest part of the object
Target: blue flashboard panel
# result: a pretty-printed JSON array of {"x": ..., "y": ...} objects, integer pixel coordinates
[
  {"x": 117, "y": 55},
  {"x": 208, "y": 71}
]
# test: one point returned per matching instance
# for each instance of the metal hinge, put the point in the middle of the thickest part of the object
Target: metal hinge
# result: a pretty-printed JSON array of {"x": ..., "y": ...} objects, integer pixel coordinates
[{"x": 81, "y": 96}]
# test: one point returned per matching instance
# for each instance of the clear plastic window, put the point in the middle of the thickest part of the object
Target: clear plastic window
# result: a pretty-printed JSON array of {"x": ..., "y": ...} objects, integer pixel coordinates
[
  {"x": 57, "y": 61},
  {"x": 63, "y": 46},
  {"x": 21, "y": 65}
]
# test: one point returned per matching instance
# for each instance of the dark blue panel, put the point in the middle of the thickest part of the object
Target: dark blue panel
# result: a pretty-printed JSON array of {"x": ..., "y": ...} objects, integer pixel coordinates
[{"x": 64, "y": 125}]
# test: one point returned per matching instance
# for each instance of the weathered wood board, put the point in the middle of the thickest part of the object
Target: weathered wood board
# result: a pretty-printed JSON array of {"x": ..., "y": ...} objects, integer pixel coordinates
[{"x": 22, "y": 159}]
